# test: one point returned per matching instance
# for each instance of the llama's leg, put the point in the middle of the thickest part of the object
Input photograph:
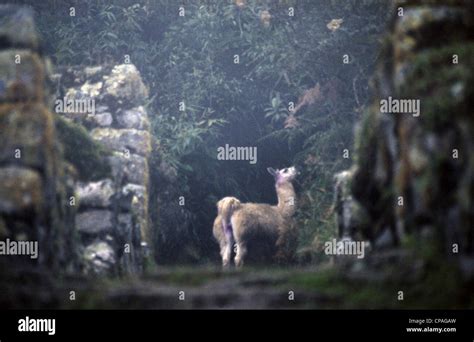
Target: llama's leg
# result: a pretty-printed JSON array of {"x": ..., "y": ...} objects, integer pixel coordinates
[
  {"x": 223, "y": 246},
  {"x": 229, "y": 243},
  {"x": 226, "y": 253},
  {"x": 286, "y": 244},
  {"x": 280, "y": 255},
  {"x": 240, "y": 254}
]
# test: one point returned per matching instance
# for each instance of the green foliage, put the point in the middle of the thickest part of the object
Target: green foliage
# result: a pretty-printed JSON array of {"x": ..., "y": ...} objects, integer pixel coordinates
[
  {"x": 438, "y": 286},
  {"x": 440, "y": 85},
  {"x": 87, "y": 156},
  {"x": 277, "y": 65}
]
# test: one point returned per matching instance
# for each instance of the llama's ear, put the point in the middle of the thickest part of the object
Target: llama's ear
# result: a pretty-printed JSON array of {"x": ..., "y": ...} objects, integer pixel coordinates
[{"x": 272, "y": 171}]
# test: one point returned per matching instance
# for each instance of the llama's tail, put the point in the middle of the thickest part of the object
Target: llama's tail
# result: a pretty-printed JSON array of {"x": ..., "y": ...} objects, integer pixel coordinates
[{"x": 225, "y": 208}]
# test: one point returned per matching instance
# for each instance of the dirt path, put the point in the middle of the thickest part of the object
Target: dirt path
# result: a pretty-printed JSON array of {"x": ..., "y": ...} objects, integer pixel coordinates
[
  {"x": 205, "y": 288},
  {"x": 313, "y": 287}
]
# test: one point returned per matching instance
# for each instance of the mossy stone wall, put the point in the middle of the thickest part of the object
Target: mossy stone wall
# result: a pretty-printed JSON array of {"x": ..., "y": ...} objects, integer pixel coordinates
[
  {"x": 36, "y": 183},
  {"x": 414, "y": 174}
]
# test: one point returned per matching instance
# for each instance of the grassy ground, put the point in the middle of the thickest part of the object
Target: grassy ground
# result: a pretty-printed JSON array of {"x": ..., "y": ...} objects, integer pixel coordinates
[{"x": 373, "y": 284}]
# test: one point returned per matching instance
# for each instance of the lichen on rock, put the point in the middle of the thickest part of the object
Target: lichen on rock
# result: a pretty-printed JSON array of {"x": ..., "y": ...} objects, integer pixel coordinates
[
  {"x": 413, "y": 175},
  {"x": 20, "y": 191},
  {"x": 125, "y": 85},
  {"x": 36, "y": 181},
  {"x": 100, "y": 258}
]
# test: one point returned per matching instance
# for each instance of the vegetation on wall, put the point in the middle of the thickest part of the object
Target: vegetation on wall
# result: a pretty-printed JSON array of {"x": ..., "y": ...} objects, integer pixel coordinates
[{"x": 87, "y": 156}]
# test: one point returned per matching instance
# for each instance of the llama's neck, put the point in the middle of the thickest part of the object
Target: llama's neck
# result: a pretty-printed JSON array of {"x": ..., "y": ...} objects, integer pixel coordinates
[{"x": 286, "y": 199}]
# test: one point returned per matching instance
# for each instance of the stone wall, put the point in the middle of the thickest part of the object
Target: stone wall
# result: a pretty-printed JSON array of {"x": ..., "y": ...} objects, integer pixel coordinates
[
  {"x": 112, "y": 218},
  {"x": 75, "y": 181},
  {"x": 35, "y": 182},
  {"x": 413, "y": 177}
]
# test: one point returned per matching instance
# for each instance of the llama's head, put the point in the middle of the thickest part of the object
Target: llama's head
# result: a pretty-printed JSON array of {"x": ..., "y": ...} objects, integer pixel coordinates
[{"x": 283, "y": 175}]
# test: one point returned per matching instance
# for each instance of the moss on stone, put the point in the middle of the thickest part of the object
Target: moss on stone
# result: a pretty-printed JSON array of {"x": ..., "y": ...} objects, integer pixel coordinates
[
  {"x": 21, "y": 81},
  {"x": 443, "y": 87},
  {"x": 365, "y": 137},
  {"x": 20, "y": 190},
  {"x": 439, "y": 286},
  {"x": 26, "y": 129},
  {"x": 87, "y": 156}
]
